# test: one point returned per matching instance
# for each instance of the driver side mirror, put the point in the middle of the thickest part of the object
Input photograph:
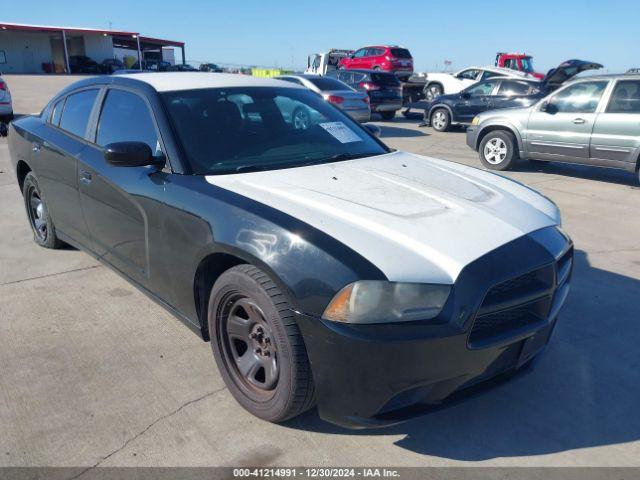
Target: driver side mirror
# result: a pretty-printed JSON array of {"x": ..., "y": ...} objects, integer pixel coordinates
[
  {"x": 131, "y": 154},
  {"x": 548, "y": 107},
  {"x": 372, "y": 129}
]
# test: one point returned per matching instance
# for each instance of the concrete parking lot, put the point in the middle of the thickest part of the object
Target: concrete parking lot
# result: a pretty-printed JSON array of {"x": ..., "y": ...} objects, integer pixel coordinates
[{"x": 93, "y": 373}]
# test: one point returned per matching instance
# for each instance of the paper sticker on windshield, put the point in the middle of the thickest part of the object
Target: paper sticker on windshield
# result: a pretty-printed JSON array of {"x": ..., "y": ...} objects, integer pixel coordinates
[{"x": 341, "y": 132}]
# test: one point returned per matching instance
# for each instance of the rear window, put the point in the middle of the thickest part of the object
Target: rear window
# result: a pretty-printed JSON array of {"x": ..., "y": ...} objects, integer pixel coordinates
[
  {"x": 77, "y": 110},
  {"x": 329, "y": 84},
  {"x": 400, "y": 53},
  {"x": 385, "y": 79}
]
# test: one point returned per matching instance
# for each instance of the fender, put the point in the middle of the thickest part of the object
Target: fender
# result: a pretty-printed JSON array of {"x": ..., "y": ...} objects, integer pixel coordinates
[
  {"x": 505, "y": 124},
  {"x": 443, "y": 105}
]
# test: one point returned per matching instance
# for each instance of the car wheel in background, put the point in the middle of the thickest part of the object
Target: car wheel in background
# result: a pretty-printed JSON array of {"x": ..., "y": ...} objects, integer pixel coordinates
[
  {"x": 441, "y": 120},
  {"x": 390, "y": 115},
  {"x": 376, "y": 68},
  {"x": 301, "y": 118},
  {"x": 498, "y": 150},
  {"x": 44, "y": 232},
  {"x": 257, "y": 345},
  {"x": 432, "y": 91}
]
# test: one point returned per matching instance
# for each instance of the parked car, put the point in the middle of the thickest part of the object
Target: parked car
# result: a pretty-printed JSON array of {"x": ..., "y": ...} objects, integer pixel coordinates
[
  {"x": 110, "y": 65},
  {"x": 324, "y": 266},
  {"x": 83, "y": 64},
  {"x": 445, "y": 83},
  {"x": 389, "y": 58},
  {"x": 210, "y": 67},
  {"x": 338, "y": 93},
  {"x": 321, "y": 63},
  {"x": 152, "y": 65},
  {"x": 592, "y": 121},
  {"x": 182, "y": 67},
  {"x": 6, "y": 104},
  {"x": 384, "y": 89},
  {"x": 498, "y": 92}
]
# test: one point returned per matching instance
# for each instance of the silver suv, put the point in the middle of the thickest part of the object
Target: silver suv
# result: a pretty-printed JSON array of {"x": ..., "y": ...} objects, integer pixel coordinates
[{"x": 591, "y": 121}]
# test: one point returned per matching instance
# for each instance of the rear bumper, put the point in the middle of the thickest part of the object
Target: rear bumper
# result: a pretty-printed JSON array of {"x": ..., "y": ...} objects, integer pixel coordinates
[
  {"x": 386, "y": 105},
  {"x": 382, "y": 374},
  {"x": 362, "y": 115}
]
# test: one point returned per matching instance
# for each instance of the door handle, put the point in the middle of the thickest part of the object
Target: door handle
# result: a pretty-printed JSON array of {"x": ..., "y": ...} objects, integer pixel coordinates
[
  {"x": 85, "y": 177},
  {"x": 35, "y": 147},
  {"x": 579, "y": 121}
]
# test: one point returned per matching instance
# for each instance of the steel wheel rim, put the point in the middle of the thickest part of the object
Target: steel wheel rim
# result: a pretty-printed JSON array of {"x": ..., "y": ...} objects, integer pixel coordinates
[
  {"x": 432, "y": 92},
  {"x": 37, "y": 214},
  {"x": 495, "y": 151},
  {"x": 248, "y": 345},
  {"x": 300, "y": 120},
  {"x": 439, "y": 120}
]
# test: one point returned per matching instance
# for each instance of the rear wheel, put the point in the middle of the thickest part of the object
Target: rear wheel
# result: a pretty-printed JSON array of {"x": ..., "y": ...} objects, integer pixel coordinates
[
  {"x": 44, "y": 232},
  {"x": 432, "y": 91},
  {"x": 376, "y": 68},
  {"x": 441, "y": 120},
  {"x": 257, "y": 345},
  {"x": 498, "y": 150},
  {"x": 390, "y": 115}
]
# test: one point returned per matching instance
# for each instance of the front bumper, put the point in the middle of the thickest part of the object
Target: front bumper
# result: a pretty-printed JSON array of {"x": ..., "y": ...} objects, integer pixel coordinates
[
  {"x": 377, "y": 375},
  {"x": 472, "y": 137}
]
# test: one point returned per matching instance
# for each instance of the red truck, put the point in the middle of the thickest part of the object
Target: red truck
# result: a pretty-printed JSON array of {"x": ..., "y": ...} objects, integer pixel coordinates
[{"x": 517, "y": 61}]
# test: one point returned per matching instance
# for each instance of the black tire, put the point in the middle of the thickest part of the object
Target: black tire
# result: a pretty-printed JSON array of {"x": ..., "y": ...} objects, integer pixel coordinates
[
  {"x": 44, "y": 232},
  {"x": 6, "y": 118},
  {"x": 503, "y": 150},
  {"x": 535, "y": 161},
  {"x": 440, "y": 120},
  {"x": 377, "y": 68},
  {"x": 263, "y": 321},
  {"x": 432, "y": 90},
  {"x": 389, "y": 115}
]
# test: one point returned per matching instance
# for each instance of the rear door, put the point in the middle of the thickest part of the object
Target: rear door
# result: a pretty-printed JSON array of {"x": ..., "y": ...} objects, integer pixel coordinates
[
  {"x": 115, "y": 200},
  {"x": 615, "y": 140},
  {"x": 474, "y": 100},
  {"x": 55, "y": 153},
  {"x": 515, "y": 93},
  {"x": 562, "y": 132}
]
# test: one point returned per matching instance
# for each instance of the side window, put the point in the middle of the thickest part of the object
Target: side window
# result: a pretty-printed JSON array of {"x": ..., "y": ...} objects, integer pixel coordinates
[
  {"x": 346, "y": 77},
  {"x": 471, "y": 74},
  {"x": 625, "y": 97},
  {"x": 580, "y": 97},
  {"x": 510, "y": 88},
  {"x": 125, "y": 117},
  {"x": 359, "y": 77},
  {"x": 482, "y": 88},
  {"x": 488, "y": 73},
  {"x": 57, "y": 112},
  {"x": 360, "y": 53},
  {"x": 76, "y": 112}
]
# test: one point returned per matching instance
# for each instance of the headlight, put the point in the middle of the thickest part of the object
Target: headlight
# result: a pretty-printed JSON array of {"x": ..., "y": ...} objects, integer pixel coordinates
[
  {"x": 373, "y": 301},
  {"x": 475, "y": 120}
]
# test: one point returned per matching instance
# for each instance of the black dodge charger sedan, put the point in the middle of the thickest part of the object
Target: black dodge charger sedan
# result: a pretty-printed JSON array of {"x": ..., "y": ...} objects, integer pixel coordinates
[{"x": 324, "y": 267}]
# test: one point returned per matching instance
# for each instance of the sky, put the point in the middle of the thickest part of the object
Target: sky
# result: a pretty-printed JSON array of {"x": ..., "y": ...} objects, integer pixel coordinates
[{"x": 283, "y": 32}]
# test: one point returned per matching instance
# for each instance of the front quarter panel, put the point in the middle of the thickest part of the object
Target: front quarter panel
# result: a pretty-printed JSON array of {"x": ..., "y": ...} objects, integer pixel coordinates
[{"x": 204, "y": 219}]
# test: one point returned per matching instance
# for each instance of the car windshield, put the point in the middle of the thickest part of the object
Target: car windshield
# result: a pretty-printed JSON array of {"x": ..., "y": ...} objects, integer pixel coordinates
[
  {"x": 244, "y": 129},
  {"x": 325, "y": 84},
  {"x": 527, "y": 64}
]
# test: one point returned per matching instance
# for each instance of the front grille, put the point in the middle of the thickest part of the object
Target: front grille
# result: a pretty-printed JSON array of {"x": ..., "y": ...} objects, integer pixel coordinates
[{"x": 513, "y": 307}]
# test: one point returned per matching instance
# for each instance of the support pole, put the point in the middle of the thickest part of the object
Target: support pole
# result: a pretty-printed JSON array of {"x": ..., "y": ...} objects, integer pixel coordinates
[
  {"x": 183, "y": 59},
  {"x": 66, "y": 52},
  {"x": 139, "y": 52}
]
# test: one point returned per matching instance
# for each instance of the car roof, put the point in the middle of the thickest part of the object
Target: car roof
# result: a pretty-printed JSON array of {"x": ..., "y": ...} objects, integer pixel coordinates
[
  {"x": 608, "y": 76},
  {"x": 173, "y": 81}
]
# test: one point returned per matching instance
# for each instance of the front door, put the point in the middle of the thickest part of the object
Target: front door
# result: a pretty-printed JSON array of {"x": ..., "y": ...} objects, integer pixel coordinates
[
  {"x": 474, "y": 100},
  {"x": 615, "y": 140},
  {"x": 115, "y": 199},
  {"x": 560, "y": 127}
]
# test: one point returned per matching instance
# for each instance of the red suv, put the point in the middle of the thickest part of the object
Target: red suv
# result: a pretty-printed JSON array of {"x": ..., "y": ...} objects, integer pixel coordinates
[{"x": 389, "y": 58}]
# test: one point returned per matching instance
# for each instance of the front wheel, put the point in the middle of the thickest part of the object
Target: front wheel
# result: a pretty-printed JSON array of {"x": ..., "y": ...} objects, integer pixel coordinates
[
  {"x": 498, "y": 150},
  {"x": 257, "y": 345},
  {"x": 44, "y": 232},
  {"x": 441, "y": 120}
]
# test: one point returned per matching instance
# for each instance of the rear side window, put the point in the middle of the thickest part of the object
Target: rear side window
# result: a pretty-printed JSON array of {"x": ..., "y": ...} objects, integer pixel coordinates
[
  {"x": 77, "y": 110},
  {"x": 385, "y": 79},
  {"x": 57, "y": 112},
  {"x": 400, "y": 53},
  {"x": 625, "y": 97},
  {"x": 510, "y": 88},
  {"x": 125, "y": 117}
]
